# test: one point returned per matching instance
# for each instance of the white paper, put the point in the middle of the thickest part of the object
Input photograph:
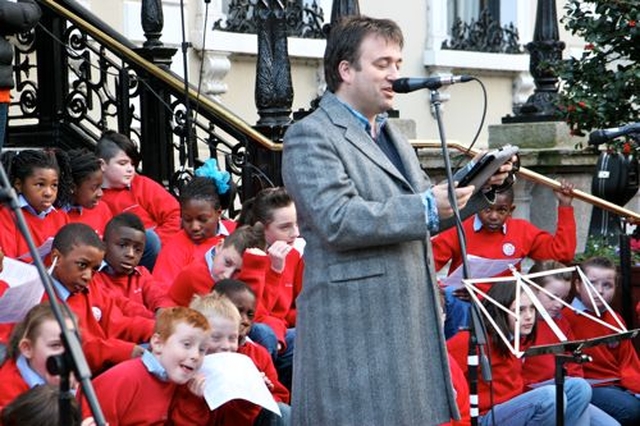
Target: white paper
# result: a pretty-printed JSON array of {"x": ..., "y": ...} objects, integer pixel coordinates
[
  {"x": 229, "y": 376},
  {"x": 24, "y": 292},
  {"x": 479, "y": 267}
]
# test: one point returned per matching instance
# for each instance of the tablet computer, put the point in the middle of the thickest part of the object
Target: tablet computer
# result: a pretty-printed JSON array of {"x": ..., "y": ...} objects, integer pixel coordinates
[{"x": 486, "y": 167}]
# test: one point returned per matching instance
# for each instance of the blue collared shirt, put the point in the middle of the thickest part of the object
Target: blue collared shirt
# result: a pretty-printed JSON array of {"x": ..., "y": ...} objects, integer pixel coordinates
[
  {"x": 477, "y": 225},
  {"x": 30, "y": 376},
  {"x": 154, "y": 367},
  {"x": 24, "y": 204},
  {"x": 62, "y": 292}
]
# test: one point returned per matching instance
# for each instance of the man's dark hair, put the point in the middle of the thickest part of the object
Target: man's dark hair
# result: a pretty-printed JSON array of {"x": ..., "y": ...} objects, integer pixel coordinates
[{"x": 345, "y": 39}]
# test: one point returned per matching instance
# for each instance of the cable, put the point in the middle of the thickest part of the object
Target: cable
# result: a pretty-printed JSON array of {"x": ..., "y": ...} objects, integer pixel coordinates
[{"x": 480, "y": 125}]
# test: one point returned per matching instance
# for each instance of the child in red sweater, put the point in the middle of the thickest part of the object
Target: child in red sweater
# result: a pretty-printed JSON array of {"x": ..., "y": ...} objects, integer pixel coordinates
[
  {"x": 617, "y": 362},
  {"x": 274, "y": 208},
  {"x": 541, "y": 368},
  {"x": 225, "y": 322},
  {"x": 127, "y": 191},
  {"x": 108, "y": 336},
  {"x": 86, "y": 192},
  {"x": 41, "y": 179},
  {"x": 494, "y": 234},
  {"x": 120, "y": 274},
  {"x": 512, "y": 405},
  {"x": 202, "y": 201},
  {"x": 33, "y": 340},
  {"x": 140, "y": 391}
]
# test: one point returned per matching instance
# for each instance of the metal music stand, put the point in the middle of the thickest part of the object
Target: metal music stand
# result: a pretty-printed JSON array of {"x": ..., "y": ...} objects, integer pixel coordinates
[{"x": 571, "y": 351}]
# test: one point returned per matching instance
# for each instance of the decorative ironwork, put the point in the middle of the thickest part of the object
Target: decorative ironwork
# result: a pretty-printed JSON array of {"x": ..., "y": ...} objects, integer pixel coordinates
[
  {"x": 152, "y": 21},
  {"x": 274, "y": 90},
  {"x": 546, "y": 51},
  {"x": 303, "y": 20},
  {"x": 83, "y": 86},
  {"x": 483, "y": 35}
]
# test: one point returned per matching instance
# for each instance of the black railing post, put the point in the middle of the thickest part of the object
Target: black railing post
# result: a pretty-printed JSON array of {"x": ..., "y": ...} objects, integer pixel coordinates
[
  {"x": 156, "y": 145},
  {"x": 546, "y": 53},
  {"x": 273, "y": 91}
]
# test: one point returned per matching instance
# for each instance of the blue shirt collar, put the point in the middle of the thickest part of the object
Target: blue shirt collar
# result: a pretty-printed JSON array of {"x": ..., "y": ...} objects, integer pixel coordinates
[
  {"x": 24, "y": 204},
  {"x": 477, "y": 225},
  {"x": 153, "y": 366},
  {"x": 62, "y": 292},
  {"x": 381, "y": 119},
  {"x": 30, "y": 376},
  {"x": 577, "y": 303}
]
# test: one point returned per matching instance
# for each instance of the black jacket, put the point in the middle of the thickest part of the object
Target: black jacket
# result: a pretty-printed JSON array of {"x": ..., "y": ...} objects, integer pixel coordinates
[{"x": 15, "y": 18}]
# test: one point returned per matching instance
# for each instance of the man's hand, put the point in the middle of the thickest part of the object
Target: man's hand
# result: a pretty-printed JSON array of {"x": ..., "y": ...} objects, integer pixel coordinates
[
  {"x": 442, "y": 198},
  {"x": 499, "y": 177}
]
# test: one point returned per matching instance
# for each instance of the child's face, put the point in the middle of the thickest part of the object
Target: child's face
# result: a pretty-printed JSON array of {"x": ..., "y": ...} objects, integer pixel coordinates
[
  {"x": 603, "y": 280},
  {"x": 182, "y": 353},
  {"x": 118, "y": 171},
  {"x": 494, "y": 216},
  {"x": 226, "y": 262},
  {"x": 224, "y": 335},
  {"x": 75, "y": 269},
  {"x": 46, "y": 343},
  {"x": 559, "y": 288},
  {"x": 199, "y": 219},
  {"x": 283, "y": 227},
  {"x": 245, "y": 301},
  {"x": 40, "y": 189},
  {"x": 527, "y": 315},
  {"x": 89, "y": 192},
  {"x": 124, "y": 249}
]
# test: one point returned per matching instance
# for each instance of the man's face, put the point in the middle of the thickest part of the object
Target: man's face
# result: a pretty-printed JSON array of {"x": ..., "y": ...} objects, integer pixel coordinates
[{"x": 367, "y": 84}]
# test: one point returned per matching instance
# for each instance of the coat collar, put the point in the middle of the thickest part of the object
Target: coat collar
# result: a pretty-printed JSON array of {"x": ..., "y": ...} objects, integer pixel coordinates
[{"x": 355, "y": 134}]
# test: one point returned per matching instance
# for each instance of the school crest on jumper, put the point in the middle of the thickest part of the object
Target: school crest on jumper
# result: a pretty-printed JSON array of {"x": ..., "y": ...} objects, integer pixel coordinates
[
  {"x": 508, "y": 249},
  {"x": 97, "y": 313}
]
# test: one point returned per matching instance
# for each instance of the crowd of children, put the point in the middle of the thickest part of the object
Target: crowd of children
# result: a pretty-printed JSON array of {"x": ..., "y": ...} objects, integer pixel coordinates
[{"x": 152, "y": 285}]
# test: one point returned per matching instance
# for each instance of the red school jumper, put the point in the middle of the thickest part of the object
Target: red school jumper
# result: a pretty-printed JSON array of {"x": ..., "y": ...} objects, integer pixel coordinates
[
  {"x": 108, "y": 336},
  {"x": 192, "y": 410},
  {"x": 181, "y": 251},
  {"x": 12, "y": 384},
  {"x": 138, "y": 287},
  {"x": 155, "y": 206},
  {"x": 536, "y": 369},
  {"x": 521, "y": 239},
  {"x": 506, "y": 371},
  {"x": 279, "y": 297},
  {"x": 42, "y": 231},
  {"x": 131, "y": 396},
  {"x": 618, "y": 359},
  {"x": 461, "y": 388},
  {"x": 97, "y": 217}
]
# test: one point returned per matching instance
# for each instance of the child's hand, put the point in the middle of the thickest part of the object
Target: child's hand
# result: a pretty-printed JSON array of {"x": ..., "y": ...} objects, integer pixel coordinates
[
  {"x": 565, "y": 194},
  {"x": 137, "y": 351},
  {"x": 278, "y": 252},
  {"x": 267, "y": 381},
  {"x": 196, "y": 385},
  {"x": 256, "y": 251}
]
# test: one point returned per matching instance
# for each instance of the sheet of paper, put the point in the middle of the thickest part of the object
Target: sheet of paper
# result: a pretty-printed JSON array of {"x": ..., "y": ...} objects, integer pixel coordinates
[
  {"x": 234, "y": 376},
  {"x": 479, "y": 267},
  {"x": 25, "y": 290}
]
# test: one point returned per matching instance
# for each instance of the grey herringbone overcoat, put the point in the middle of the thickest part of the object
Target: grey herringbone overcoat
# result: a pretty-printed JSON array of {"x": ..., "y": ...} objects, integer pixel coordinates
[{"x": 370, "y": 348}]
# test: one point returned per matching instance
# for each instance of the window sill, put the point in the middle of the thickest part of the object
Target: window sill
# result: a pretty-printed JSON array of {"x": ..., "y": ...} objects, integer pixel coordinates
[
  {"x": 247, "y": 44},
  {"x": 476, "y": 60}
]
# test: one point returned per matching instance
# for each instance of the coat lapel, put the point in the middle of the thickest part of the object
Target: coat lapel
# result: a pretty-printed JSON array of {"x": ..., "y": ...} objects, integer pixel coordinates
[{"x": 343, "y": 118}]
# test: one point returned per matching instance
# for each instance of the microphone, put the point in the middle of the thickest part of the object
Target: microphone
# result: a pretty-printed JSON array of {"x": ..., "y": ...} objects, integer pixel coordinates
[
  {"x": 406, "y": 85},
  {"x": 601, "y": 136}
]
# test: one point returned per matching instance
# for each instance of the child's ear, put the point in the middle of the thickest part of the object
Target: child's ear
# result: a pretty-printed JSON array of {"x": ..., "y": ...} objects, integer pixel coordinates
[
  {"x": 25, "y": 348},
  {"x": 513, "y": 207},
  {"x": 55, "y": 255},
  {"x": 156, "y": 344},
  {"x": 103, "y": 165},
  {"x": 17, "y": 185}
]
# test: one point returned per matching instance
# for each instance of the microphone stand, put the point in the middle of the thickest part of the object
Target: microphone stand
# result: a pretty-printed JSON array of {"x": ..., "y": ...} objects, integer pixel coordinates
[
  {"x": 73, "y": 359},
  {"x": 477, "y": 336}
]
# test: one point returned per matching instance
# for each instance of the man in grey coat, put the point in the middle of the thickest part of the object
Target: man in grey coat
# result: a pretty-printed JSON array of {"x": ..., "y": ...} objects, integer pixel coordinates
[{"x": 369, "y": 347}]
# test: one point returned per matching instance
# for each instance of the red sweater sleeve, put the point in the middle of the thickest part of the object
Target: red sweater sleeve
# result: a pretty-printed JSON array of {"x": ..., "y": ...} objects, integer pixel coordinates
[
  {"x": 161, "y": 206},
  {"x": 562, "y": 245},
  {"x": 194, "y": 279}
]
